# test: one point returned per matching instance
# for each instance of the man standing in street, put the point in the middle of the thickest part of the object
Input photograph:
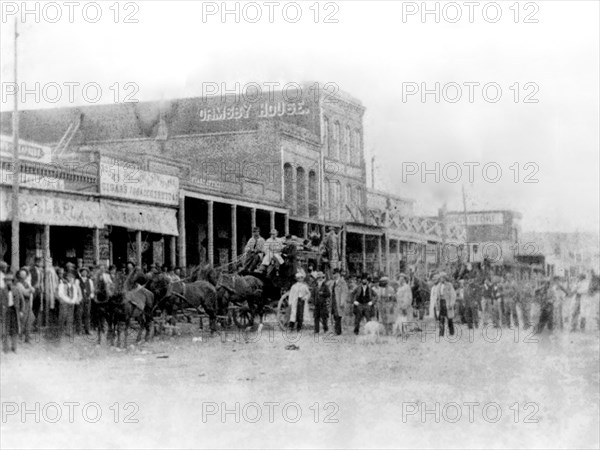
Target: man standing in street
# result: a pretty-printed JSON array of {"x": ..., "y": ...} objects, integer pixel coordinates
[
  {"x": 363, "y": 299},
  {"x": 69, "y": 295},
  {"x": 418, "y": 300},
  {"x": 339, "y": 297},
  {"x": 443, "y": 300},
  {"x": 37, "y": 283},
  {"x": 298, "y": 296},
  {"x": 10, "y": 304},
  {"x": 321, "y": 297},
  {"x": 83, "y": 311},
  {"x": 26, "y": 292},
  {"x": 472, "y": 296}
]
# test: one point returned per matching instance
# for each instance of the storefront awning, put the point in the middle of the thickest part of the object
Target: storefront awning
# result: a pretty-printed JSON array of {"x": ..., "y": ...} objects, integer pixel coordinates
[
  {"x": 363, "y": 229},
  {"x": 79, "y": 211},
  {"x": 48, "y": 209}
]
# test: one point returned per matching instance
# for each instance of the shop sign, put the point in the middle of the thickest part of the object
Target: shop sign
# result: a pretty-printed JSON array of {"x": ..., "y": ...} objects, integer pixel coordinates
[
  {"x": 27, "y": 150},
  {"x": 140, "y": 217},
  {"x": 52, "y": 210},
  {"x": 125, "y": 180}
]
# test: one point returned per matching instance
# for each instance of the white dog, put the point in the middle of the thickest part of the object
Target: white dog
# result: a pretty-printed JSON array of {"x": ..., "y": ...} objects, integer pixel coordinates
[{"x": 373, "y": 330}]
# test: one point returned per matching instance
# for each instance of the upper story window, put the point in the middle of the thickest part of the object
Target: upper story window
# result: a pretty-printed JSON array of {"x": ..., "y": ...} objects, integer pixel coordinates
[
  {"x": 326, "y": 135},
  {"x": 336, "y": 140},
  {"x": 346, "y": 155},
  {"x": 356, "y": 156}
]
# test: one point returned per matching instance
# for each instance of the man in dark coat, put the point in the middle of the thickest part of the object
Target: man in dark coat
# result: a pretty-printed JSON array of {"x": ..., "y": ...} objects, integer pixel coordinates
[
  {"x": 321, "y": 296},
  {"x": 363, "y": 298},
  {"x": 472, "y": 297},
  {"x": 10, "y": 304}
]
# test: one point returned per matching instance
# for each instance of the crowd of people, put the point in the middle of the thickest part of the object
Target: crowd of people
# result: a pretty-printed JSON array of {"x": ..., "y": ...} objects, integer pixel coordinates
[
  {"x": 470, "y": 297},
  {"x": 61, "y": 298}
]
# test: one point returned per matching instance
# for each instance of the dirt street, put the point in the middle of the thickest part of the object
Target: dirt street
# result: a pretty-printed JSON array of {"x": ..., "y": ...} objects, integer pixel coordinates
[{"x": 249, "y": 391}]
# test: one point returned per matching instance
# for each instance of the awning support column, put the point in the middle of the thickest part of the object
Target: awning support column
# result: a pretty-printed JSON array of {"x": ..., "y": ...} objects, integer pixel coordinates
[
  {"x": 364, "y": 253},
  {"x": 211, "y": 233},
  {"x": 138, "y": 248},
  {"x": 233, "y": 232},
  {"x": 181, "y": 240}
]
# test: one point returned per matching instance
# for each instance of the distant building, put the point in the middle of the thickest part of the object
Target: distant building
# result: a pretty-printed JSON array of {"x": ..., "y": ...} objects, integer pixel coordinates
[{"x": 567, "y": 254}]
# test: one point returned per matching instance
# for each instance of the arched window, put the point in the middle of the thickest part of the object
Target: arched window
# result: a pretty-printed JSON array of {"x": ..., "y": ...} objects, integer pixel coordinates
[
  {"x": 301, "y": 191},
  {"x": 346, "y": 154},
  {"x": 357, "y": 146},
  {"x": 288, "y": 185},
  {"x": 326, "y": 136},
  {"x": 336, "y": 140},
  {"x": 313, "y": 200}
]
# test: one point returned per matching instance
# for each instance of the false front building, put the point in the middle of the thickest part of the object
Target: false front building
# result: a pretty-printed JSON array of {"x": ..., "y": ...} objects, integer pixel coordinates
[{"x": 203, "y": 172}]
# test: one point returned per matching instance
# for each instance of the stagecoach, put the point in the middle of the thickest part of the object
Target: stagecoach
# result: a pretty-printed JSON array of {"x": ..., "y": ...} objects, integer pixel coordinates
[{"x": 274, "y": 298}]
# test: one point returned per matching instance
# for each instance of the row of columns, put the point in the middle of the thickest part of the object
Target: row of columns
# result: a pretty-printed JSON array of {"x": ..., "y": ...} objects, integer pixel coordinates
[{"x": 210, "y": 231}]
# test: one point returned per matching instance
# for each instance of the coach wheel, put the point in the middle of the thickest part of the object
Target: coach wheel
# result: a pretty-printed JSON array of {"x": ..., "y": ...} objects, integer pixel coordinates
[{"x": 243, "y": 318}]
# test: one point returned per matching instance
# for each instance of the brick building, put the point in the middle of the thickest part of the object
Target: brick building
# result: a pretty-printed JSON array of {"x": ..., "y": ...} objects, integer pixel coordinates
[{"x": 202, "y": 172}]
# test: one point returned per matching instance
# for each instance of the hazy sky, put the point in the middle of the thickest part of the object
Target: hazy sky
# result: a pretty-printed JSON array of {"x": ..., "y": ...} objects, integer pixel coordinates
[{"x": 372, "y": 54}]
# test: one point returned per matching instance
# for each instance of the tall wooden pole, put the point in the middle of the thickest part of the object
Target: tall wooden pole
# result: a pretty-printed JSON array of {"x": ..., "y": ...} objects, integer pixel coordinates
[
  {"x": 15, "y": 235},
  {"x": 182, "y": 239},
  {"x": 138, "y": 248},
  {"x": 211, "y": 232}
]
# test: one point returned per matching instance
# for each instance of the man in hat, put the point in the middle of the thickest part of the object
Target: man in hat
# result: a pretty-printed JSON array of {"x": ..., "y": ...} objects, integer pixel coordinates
[
  {"x": 472, "y": 298},
  {"x": 10, "y": 304},
  {"x": 273, "y": 248},
  {"x": 386, "y": 303},
  {"x": 298, "y": 296},
  {"x": 69, "y": 295},
  {"x": 254, "y": 250},
  {"x": 321, "y": 296},
  {"x": 84, "y": 309},
  {"x": 339, "y": 296},
  {"x": 26, "y": 292},
  {"x": 363, "y": 299},
  {"x": 415, "y": 286},
  {"x": 443, "y": 300},
  {"x": 487, "y": 294}
]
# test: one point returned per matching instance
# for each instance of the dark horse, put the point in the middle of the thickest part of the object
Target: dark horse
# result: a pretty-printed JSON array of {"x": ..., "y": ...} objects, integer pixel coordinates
[
  {"x": 117, "y": 308},
  {"x": 249, "y": 292},
  {"x": 173, "y": 295}
]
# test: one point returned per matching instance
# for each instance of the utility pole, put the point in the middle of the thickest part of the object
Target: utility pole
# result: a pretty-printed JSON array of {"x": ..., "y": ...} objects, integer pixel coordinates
[
  {"x": 464, "y": 196},
  {"x": 15, "y": 235}
]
